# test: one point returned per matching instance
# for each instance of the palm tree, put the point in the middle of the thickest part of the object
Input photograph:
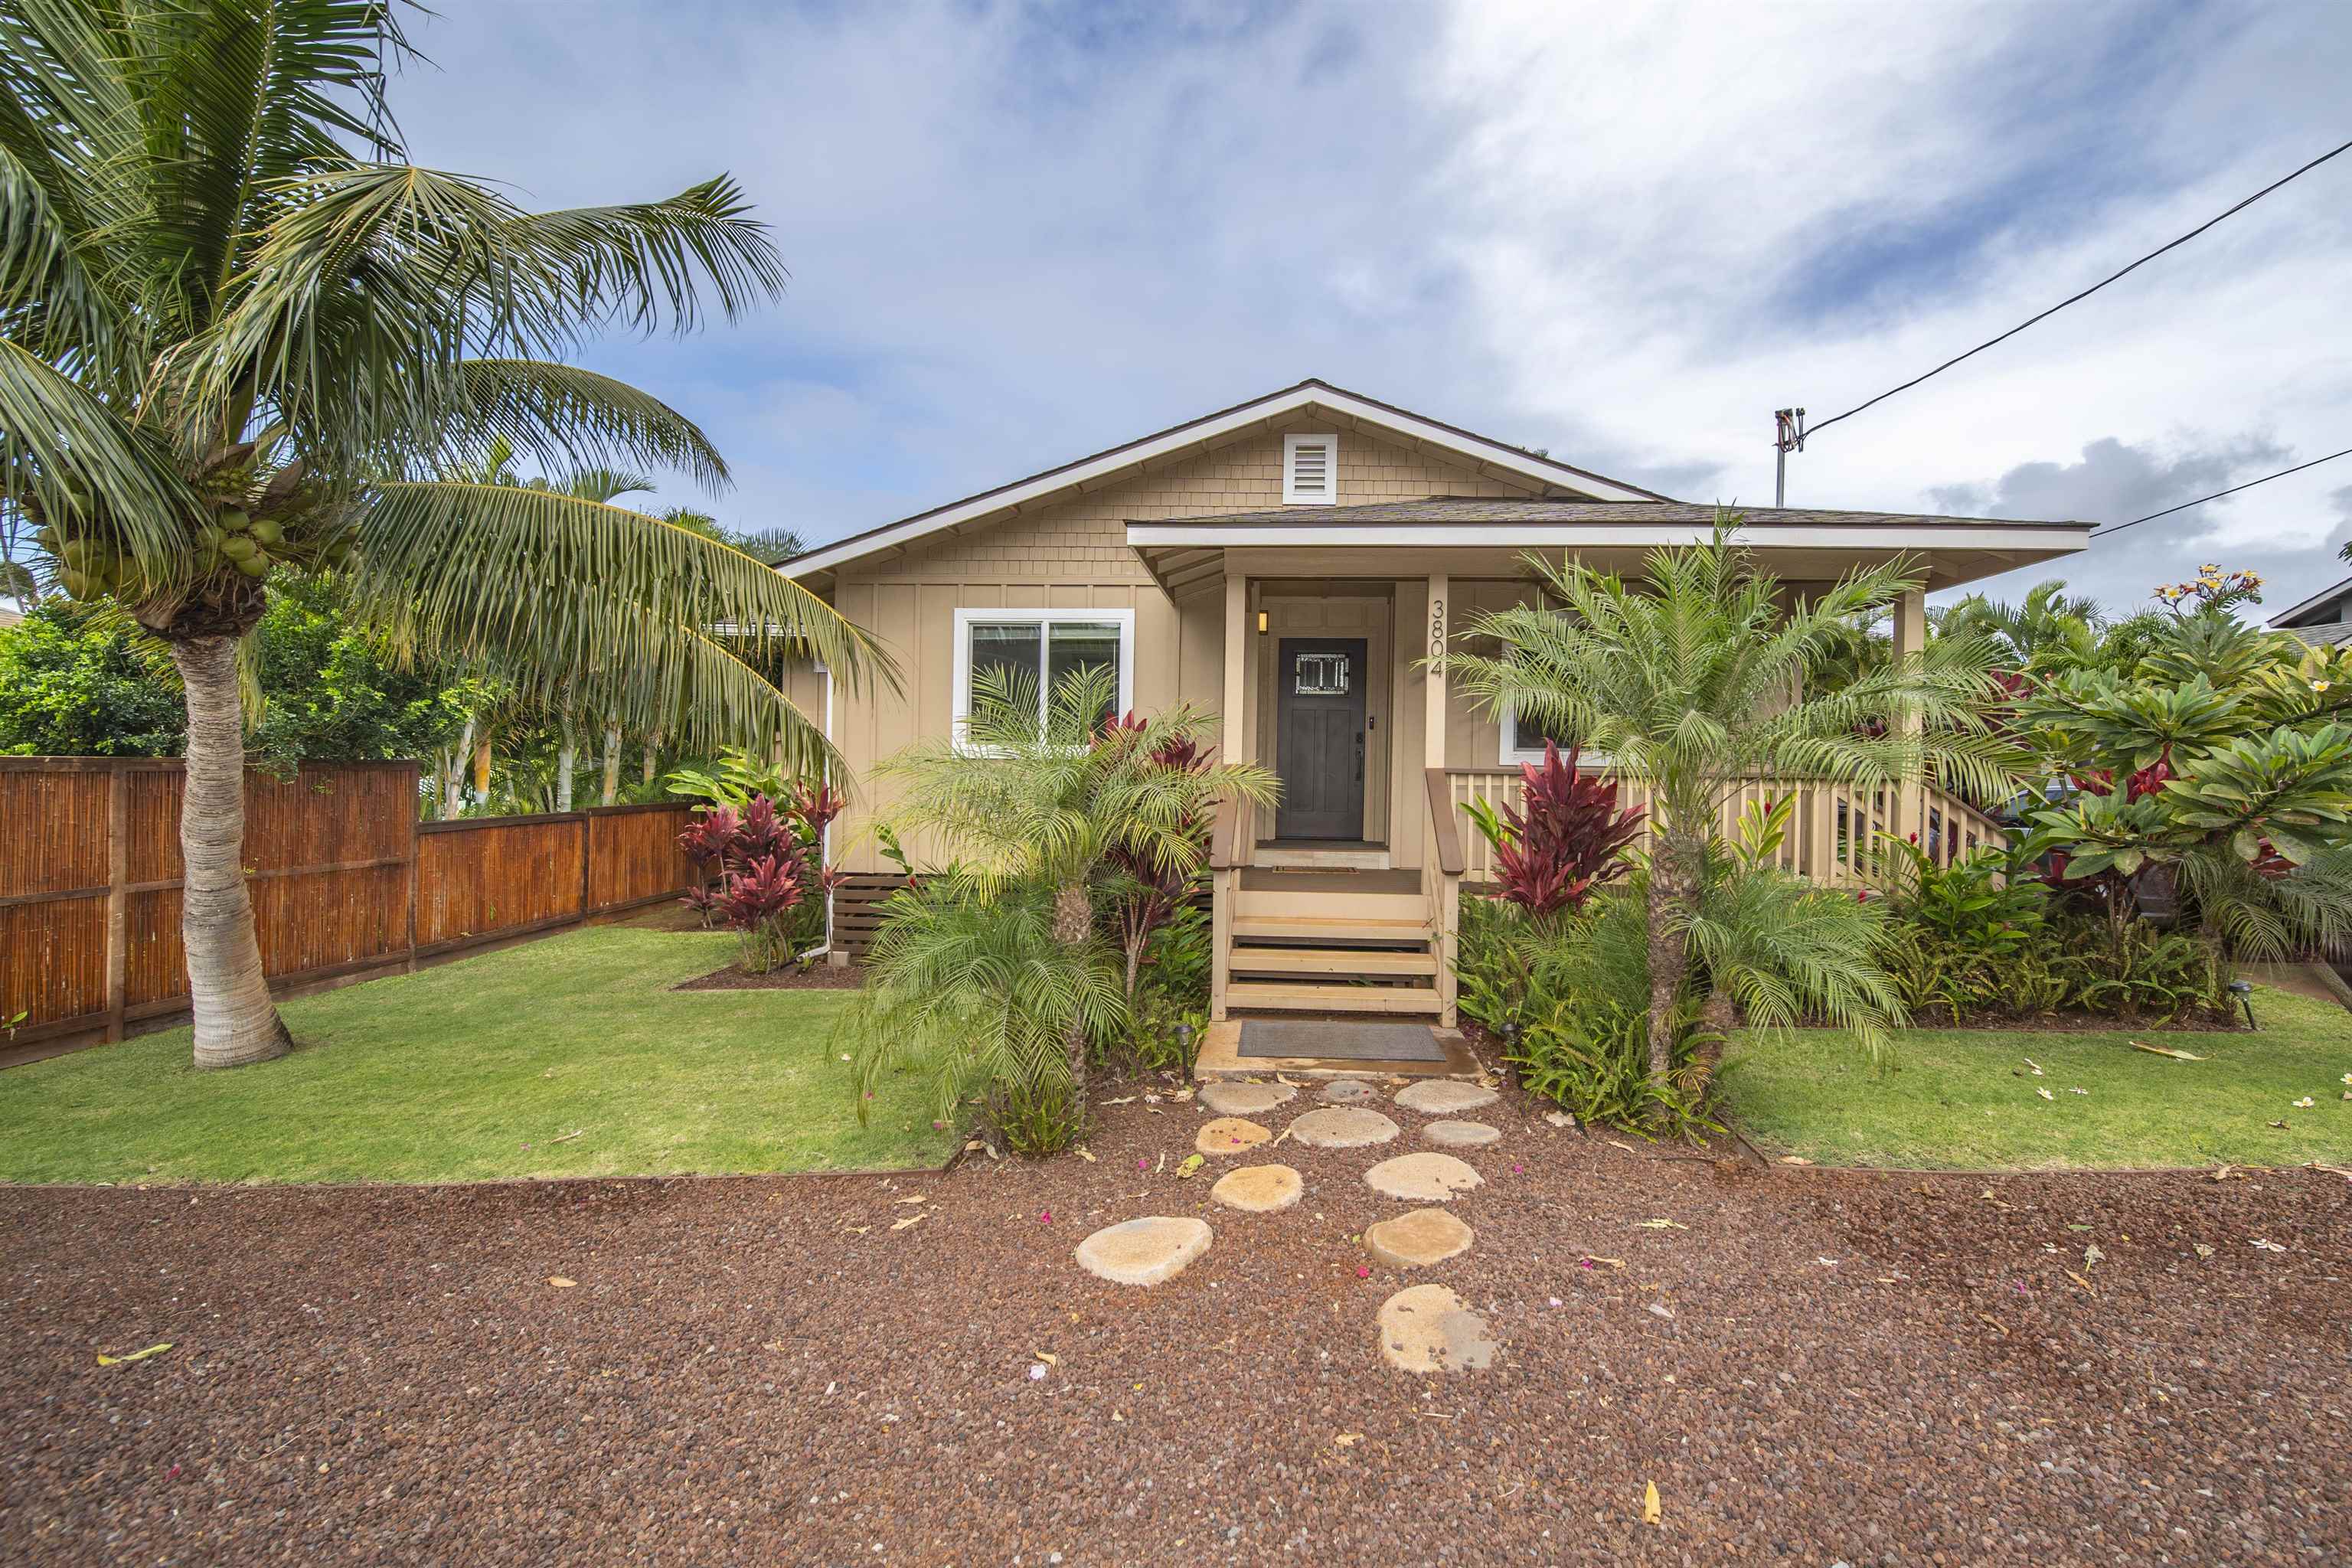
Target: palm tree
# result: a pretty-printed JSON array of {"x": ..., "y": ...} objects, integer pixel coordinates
[
  {"x": 239, "y": 332},
  {"x": 2050, "y": 625},
  {"x": 1684, "y": 683},
  {"x": 1054, "y": 795}
]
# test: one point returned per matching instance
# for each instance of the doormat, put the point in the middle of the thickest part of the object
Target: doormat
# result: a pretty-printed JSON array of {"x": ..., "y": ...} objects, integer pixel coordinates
[{"x": 1340, "y": 1042}]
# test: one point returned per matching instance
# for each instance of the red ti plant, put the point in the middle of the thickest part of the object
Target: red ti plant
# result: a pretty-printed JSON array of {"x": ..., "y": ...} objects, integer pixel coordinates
[
  {"x": 1145, "y": 896},
  {"x": 757, "y": 901},
  {"x": 1564, "y": 839},
  {"x": 747, "y": 860}
]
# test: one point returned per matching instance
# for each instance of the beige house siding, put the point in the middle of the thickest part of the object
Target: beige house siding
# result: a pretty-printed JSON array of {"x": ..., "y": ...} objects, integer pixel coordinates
[{"x": 1073, "y": 555}]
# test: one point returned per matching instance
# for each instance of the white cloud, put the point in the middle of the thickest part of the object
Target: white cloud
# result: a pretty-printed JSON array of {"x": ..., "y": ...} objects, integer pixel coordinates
[{"x": 1626, "y": 234}]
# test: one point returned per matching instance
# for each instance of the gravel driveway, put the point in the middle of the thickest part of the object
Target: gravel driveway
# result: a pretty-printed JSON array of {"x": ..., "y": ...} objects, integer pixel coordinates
[{"x": 1810, "y": 1367}]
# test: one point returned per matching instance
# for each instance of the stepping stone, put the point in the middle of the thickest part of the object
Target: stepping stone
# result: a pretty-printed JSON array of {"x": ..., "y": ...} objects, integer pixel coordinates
[
  {"x": 1444, "y": 1096},
  {"x": 1143, "y": 1251},
  {"x": 1350, "y": 1091},
  {"x": 1423, "y": 1178},
  {"x": 1258, "y": 1189},
  {"x": 1246, "y": 1098},
  {"x": 1418, "y": 1239},
  {"x": 1229, "y": 1135},
  {"x": 1342, "y": 1127},
  {"x": 1428, "y": 1328},
  {"x": 1460, "y": 1134}
]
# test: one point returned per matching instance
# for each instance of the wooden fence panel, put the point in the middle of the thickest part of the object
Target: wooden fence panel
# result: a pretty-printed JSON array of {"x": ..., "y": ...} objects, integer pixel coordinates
[{"x": 343, "y": 878}]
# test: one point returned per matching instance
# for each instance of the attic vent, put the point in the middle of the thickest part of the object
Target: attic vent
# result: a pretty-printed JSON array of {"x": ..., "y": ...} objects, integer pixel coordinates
[{"x": 1310, "y": 470}]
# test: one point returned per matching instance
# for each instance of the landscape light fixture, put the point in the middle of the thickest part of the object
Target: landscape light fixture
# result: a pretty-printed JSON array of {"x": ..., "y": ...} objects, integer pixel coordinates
[{"x": 2243, "y": 990}]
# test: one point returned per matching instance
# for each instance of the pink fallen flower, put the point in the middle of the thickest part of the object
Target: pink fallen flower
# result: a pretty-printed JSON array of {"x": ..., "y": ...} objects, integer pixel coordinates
[
  {"x": 1363, "y": 1272},
  {"x": 1044, "y": 1217}
]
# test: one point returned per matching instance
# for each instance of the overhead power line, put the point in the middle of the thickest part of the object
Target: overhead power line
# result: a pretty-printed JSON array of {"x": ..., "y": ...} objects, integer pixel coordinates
[
  {"x": 2217, "y": 495},
  {"x": 2085, "y": 294}
]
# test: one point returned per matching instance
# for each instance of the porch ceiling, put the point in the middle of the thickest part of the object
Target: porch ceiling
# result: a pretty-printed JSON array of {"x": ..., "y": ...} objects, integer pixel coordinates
[{"x": 1470, "y": 537}]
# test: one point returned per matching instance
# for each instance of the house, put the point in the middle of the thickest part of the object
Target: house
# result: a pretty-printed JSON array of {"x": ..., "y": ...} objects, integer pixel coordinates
[
  {"x": 1289, "y": 563},
  {"x": 2324, "y": 618}
]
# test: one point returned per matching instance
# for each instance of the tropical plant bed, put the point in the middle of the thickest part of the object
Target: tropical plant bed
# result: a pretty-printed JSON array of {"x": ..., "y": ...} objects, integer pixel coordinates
[
  {"x": 574, "y": 1056},
  {"x": 2033, "y": 1099},
  {"x": 820, "y": 977}
]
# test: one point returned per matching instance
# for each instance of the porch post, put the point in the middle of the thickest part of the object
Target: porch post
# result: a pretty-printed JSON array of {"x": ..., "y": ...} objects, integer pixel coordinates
[
  {"x": 1908, "y": 808},
  {"x": 1237, "y": 738},
  {"x": 1445, "y": 887}
]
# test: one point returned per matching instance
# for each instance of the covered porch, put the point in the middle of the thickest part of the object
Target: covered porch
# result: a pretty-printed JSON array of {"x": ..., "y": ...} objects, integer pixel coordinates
[{"x": 1344, "y": 899}]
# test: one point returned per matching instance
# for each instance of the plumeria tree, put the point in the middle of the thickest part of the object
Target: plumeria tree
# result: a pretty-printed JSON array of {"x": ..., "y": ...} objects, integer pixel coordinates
[{"x": 241, "y": 335}]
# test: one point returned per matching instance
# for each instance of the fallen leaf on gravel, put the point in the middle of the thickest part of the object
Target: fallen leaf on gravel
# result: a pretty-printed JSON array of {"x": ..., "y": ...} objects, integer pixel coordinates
[
  {"x": 916, "y": 1199},
  {"x": 1653, "y": 1511},
  {"x": 2166, "y": 1051},
  {"x": 560, "y": 1282},
  {"x": 1191, "y": 1164},
  {"x": 1047, "y": 1357},
  {"x": 1347, "y": 1440},
  {"x": 1660, "y": 1224},
  {"x": 1794, "y": 1160},
  {"x": 1995, "y": 1324},
  {"x": 1589, "y": 1259},
  {"x": 910, "y": 1219},
  {"x": 1627, "y": 1147},
  {"x": 1084, "y": 1153},
  {"x": 105, "y": 1359},
  {"x": 2332, "y": 1170},
  {"x": 2078, "y": 1279},
  {"x": 1559, "y": 1119},
  {"x": 1826, "y": 1262},
  {"x": 2091, "y": 1255},
  {"x": 2224, "y": 1172},
  {"x": 1659, "y": 1309},
  {"x": 1122, "y": 1100},
  {"x": 2203, "y": 1250},
  {"x": 858, "y": 1229},
  {"x": 1182, "y": 1094},
  {"x": 2266, "y": 1246},
  {"x": 1163, "y": 1163}
]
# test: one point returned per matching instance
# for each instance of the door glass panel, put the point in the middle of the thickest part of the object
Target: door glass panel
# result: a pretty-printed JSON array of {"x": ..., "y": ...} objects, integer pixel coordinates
[{"x": 1319, "y": 674}]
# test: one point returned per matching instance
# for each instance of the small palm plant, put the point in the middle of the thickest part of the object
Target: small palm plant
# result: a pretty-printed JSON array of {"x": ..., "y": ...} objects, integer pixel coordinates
[
  {"x": 1045, "y": 805},
  {"x": 1695, "y": 679}
]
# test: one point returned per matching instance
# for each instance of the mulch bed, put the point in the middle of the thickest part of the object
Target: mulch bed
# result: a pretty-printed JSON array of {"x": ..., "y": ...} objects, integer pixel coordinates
[
  {"x": 820, "y": 977},
  {"x": 1849, "y": 1366}
]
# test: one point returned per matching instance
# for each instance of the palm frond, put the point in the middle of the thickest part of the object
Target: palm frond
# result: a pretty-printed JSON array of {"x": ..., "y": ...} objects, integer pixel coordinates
[{"x": 568, "y": 419}]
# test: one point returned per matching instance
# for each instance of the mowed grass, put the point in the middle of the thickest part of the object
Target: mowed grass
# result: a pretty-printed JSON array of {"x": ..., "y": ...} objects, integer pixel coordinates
[
  {"x": 1955, "y": 1099},
  {"x": 474, "y": 1070}
]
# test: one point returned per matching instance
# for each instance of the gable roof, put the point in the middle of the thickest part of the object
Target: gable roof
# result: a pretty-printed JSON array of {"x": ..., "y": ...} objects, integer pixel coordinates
[
  {"x": 1241, "y": 416},
  {"x": 2288, "y": 617}
]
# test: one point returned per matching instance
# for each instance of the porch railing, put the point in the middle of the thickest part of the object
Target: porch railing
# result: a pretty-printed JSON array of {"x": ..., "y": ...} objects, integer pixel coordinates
[{"x": 1834, "y": 836}]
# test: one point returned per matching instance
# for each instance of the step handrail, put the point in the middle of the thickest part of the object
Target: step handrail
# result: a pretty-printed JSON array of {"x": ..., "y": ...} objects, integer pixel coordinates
[{"x": 1441, "y": 817}]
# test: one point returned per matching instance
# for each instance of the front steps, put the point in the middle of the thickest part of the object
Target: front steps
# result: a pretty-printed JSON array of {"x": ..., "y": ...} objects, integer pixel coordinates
[{"x": 1332, "y": 942}]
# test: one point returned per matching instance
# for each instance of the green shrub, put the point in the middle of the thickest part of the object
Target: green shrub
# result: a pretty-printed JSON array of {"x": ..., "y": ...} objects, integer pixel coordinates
[
  {"x": 1038, "y": 1117},
  {"x": 1170, "y": 1008},
  {"x": 1568, "y": 997}
]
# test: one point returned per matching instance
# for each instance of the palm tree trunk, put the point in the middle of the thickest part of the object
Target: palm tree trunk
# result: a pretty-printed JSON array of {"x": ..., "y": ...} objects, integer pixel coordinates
[
  {"x": 1073, "y": 926},
  {"x": 236, "y": 1021},
  {"x": 565, "y": 759},
  {"x": 482, "y": 766},
  {"x": 1669, "y": 895},
  {"x": 611, "y": 764},
  {"x": 453, "y": 778},
  {"x": 653, "y": 754}
]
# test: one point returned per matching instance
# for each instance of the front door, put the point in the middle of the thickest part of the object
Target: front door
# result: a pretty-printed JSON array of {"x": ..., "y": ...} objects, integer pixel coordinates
[{"x": 1319, "y": 737}]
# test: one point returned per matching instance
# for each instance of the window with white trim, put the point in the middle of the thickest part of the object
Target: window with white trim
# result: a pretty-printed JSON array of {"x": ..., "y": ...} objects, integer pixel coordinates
[
  {"x": 1310, "y": 470},
  {"x": 1524, "y": 742},
  {"x": 1047, "y": 646}
]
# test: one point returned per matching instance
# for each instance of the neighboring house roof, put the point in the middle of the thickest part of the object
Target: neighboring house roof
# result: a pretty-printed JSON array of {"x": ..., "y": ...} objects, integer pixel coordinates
[
  {"x": 1239, "y": 417},
  {"x": 9, "y": 619},
  {"x": 2326, "y": 607}
]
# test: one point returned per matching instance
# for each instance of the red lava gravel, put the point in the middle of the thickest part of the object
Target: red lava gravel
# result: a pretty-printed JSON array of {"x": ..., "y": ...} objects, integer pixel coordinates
[{"x": 1811, "y": 1367}]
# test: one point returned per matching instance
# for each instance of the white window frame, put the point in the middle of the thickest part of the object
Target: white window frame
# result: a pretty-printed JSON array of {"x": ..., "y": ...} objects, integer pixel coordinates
[
  {"x": 1514, "y": 754},
  {"x": 1045, "y": 619},
  {"x": 1330, "y": 445}
]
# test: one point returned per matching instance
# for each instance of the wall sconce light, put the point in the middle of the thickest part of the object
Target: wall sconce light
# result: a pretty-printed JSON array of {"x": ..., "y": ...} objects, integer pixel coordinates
[{"x": 1261, "y": 623}]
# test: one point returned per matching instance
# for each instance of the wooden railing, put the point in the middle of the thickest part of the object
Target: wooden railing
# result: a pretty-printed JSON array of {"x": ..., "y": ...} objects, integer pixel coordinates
[
  {"x": 1443, "y": 862},
  {"x": 1834, "y": 837}
]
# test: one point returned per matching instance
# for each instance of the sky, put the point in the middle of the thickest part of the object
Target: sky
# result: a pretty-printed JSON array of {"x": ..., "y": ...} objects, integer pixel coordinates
[{"x": 1022, "y": 233}]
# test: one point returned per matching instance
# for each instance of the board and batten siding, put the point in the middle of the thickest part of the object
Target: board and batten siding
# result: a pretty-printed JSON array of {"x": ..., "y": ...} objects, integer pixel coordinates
[{"x": 1073, "y": 554}]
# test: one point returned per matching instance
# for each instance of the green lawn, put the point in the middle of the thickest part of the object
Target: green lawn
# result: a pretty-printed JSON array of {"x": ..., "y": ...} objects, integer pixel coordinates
[
  {"x": 473, "y": 1071},
  {"x": 1950, "y": 1100}
]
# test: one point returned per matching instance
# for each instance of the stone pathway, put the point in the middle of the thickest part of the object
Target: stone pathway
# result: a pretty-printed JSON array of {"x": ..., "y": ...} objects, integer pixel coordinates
[{"x": 1422, "y": 1329}]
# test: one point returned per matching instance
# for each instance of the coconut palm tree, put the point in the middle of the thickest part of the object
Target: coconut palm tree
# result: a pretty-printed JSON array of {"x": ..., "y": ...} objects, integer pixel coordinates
[
  {"x": 1685, "y": 682},
  {"x": 239, "y": 332},
  {"x": 2050, "y": 625}
]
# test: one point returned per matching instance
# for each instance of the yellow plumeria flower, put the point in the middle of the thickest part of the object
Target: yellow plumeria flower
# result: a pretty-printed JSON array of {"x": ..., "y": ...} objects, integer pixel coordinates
[
  {"x": 2321, "y": 686},
  {"x": 2304, "y": 1104}
]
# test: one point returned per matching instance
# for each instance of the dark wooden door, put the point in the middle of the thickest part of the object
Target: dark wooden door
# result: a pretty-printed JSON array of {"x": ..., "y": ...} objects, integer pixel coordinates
[{"x": 1319, "y": 737}]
